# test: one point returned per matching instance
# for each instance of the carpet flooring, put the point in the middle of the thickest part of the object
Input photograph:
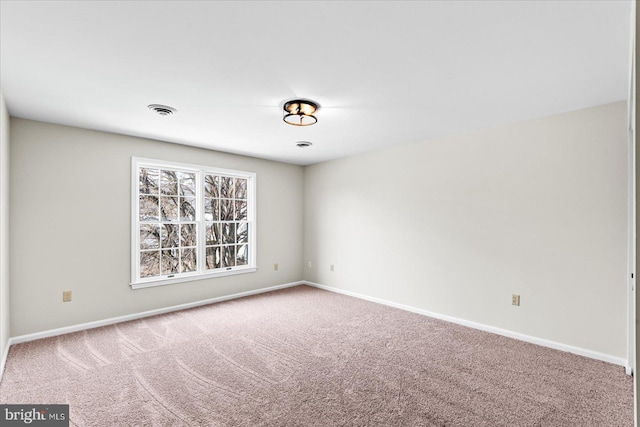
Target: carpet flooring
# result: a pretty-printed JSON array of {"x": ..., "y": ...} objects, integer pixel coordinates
[{"x": 306, "y": 357}]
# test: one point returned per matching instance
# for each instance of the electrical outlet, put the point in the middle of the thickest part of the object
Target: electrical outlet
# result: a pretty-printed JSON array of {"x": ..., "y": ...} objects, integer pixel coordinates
[
  {"x": 309, "y": 264},
  {"x": 331, "y": 267},
  {"x": 66, "y": 296},
  {"x": 515, "y": 299},
  {"x": 275, "y": 266}
]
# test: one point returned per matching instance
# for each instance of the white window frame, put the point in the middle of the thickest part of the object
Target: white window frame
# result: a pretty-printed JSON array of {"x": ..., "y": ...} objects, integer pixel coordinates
[{"x": 201, "y": 273}]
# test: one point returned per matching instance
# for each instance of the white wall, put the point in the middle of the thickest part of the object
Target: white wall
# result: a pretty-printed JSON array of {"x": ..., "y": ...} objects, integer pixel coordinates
[
  {"x": 456, "y": 225},
  {"x": 70, "y": 226},
  {"x": 4, "y": 229}
]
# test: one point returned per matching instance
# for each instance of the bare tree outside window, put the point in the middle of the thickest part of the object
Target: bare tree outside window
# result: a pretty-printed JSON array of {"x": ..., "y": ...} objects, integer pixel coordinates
[{"x": 191, "y": 220}]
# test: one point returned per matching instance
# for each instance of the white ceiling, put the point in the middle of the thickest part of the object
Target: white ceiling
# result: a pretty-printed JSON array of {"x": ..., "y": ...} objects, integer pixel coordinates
[{"x": 384, "y": 73}]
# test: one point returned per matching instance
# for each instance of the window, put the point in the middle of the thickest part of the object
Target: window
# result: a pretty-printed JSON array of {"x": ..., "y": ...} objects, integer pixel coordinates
[{"x": 190, "y": 222}]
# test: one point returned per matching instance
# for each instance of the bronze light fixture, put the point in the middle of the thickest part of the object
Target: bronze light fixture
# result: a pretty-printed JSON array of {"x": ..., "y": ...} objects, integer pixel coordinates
[{"x": 300, "y": 112}]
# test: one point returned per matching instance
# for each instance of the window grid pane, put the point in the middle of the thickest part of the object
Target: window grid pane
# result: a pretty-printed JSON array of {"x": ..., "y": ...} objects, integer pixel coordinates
[
  {"x": 170, "y": 201},
  {"x": 227, "y": 235},
  {"x": 169, "y": 225}
]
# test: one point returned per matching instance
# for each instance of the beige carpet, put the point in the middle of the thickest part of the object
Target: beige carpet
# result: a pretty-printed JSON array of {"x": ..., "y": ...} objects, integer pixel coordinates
[{"x": 307, "y": 357}]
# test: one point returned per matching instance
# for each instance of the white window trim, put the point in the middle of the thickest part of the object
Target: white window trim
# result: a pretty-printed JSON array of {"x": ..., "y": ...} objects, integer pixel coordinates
[{"x": 200, "y": 170}]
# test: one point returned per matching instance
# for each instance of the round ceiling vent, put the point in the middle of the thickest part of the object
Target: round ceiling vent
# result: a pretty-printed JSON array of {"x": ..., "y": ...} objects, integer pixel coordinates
[
  {"x": 303, "y": 144},
  {"x": 163, "y": 110}
]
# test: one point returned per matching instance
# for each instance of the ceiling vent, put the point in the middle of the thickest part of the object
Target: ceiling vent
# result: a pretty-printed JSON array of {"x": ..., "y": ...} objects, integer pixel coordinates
[
  {"x": 163, "y": 110},
  {"x": 303, "y": 144}
]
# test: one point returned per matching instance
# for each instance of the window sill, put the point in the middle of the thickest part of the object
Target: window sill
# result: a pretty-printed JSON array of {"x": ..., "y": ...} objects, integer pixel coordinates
[{"x": 190, "y": 278}]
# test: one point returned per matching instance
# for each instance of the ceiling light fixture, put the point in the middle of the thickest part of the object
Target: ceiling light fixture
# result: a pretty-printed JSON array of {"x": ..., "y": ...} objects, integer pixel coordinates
[
  {"x": 299, "y": 112},
  {"x": 163, "y": 110}
]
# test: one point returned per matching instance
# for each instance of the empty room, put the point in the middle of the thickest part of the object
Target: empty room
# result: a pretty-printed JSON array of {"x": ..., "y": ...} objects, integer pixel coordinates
[{"x": 317, "y": 213}]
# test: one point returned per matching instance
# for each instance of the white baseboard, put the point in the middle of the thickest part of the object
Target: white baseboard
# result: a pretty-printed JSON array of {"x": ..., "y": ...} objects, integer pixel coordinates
[
  {"x": 128, "y": 317},
  {"x": 504, "y": 332},
  {"x": 96, "y": 324},
  {"x": 5, "y": 354}
]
